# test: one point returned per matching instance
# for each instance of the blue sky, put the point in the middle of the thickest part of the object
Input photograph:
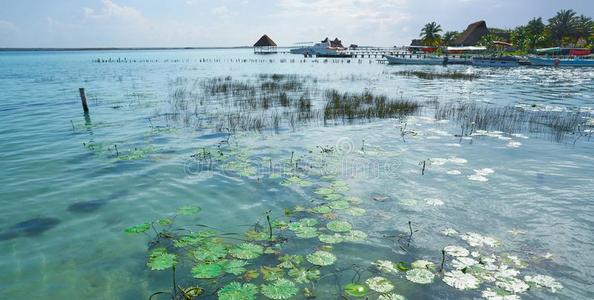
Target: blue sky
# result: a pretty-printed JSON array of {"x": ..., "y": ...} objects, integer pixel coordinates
[{"x": 146, "y": 23}]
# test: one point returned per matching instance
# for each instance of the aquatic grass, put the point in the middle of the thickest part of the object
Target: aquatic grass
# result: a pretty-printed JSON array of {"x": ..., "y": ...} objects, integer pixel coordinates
[
  {"x": 349, "y": 107},
  {"x": 438, "y": 75},
  {"x": 473, "y": 117}
]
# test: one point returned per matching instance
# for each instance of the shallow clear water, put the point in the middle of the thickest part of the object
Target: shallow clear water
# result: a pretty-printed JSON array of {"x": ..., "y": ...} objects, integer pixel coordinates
[{"x": 536, "y": 203}]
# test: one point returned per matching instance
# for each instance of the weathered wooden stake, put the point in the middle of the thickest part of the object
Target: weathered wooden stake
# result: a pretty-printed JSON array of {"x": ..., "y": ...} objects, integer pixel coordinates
[{"x": 83, "y": 99}]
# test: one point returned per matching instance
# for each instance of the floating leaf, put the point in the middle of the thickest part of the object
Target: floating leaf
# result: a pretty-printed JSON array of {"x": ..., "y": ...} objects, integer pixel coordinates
[
  {"x": 250, "y": 275},
  {"x": 281, "y": 289},
  {"x": 456, "y": 251},
  {"x": 252, "y": 235},
  {"x": 188, "y": 210},
  {"x": 324, "y": 191},
  {"x": 237, "y": 291},
  {"x": 340, "y": 204},
  {"x": 422, "y": 264},
  {"x": 390, "y": 296},
  {"x": 544, "y": 281},
  {"x": 356, "y": 290},
  {"x": 402, "y": 266},
  {"x": 210, "y": 252},
  {"x": 463, "y": 262},
  {"x": 140, "y": 228},
  {"x": 305, "y": 222},
  {"x": 379, "y": 284},
  {"x": 330, "y": 239},
  {"x": 321, "y": 258},
  {"x": 321, "y": 209},
  {"x": 498, "y": 294},
  {"x": 159, "y": 259},
  {"x": 356, "y": 211},
  {"x": 247, "y": 251},
  {"x": 339, "y": 226},
  {"x": 306, "y": 232},
  {"x": 333, "y": 197},
  {"x": 460, "y": 280},
  {"x": 355, "y": 236},
  {"x": 204, "y": 271},
  {"x": 165, "y": 222},
  {"x": 476, "y": 240},
  {"x": 304, "y": 275},
  {"x": 290, "y": 261},
  {"x": 234, "y": 266},
  {"x": 420, "y": 276},
  {"x": 385, "y": 266},
  {"x": 512, "y": 285},
  {"x": 272, "y": 273}
]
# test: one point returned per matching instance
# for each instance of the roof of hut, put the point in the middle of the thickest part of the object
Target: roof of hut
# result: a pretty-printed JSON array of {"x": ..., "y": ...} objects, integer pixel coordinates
[
  {"x": 416, "y": 42},
  {"x": 336, "y": 43},
  {"x": 473, "y": 34},
  {"x": 265, "y": 41}
]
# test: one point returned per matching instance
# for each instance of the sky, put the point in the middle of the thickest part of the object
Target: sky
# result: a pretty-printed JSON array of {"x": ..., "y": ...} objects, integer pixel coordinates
[{"x": 203, "y": 23}]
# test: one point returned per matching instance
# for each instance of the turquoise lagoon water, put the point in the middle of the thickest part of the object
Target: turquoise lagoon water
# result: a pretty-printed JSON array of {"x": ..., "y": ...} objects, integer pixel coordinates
[{"x": 65, "y": 205}]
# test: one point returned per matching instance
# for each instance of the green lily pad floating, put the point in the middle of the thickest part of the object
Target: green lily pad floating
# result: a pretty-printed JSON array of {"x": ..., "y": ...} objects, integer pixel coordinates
[
  {"x": 206, "y": 271},
  {"x": 288, "y": 261},
  {"x": 304, "y": 275},
  {"x": 456, "y": 251},
  {"x": 354, "y": 236},
  {"x": 210, "y": 252},
  {"x": 356, "y": 211},
  {"x": 498, "y": 294},
  {"x": 323, "y": 209},
  {"x": 422, "y": 264},
  {"x": 188, "y": 210},
  {"x": 159, "y": 259},
  {"x": 272, "y": 273},
  {"x": 354, "y": 200},
  {"x": 234, "y": 266},
  {"x": 385, "y": 266},
  {"x": 420, "y": 276},
  {"x": 544, "y": 281},
  {"x": 340, "y": 204},
  {"x": 339, "y": 226},
  {"x": 165, "y": 222},
  {"x": 140, "y": 228},
  {"x": 390, "y": 296},
  {"x": 512, "y": 285},
  {"x": 237, "y": 291},
  {"x": 324, "y": 191},
  {"x": 253, "y": 235},
  {"x": 379, "y": 284},
  {"x": 194, "y": 238},
  {"x": 247, "y": 251},
  {"x": 305, "y": 222},
  {"x": 330, "y": 239},
  {"x": 460, "y": 280},
  {"x": 402, "y": 266},
  {"x": 333, "y": 197},
  {"x": 281, "y": 289},
  {"x": 356, "y": 290},
  {"x": 321, "y": 258},
  {"x": 306, "y": 232},
  {"x": 296, "y": 180}
]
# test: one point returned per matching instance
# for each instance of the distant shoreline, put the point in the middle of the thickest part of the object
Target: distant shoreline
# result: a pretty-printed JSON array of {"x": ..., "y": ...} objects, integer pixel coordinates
[{"x": 123, "y": 48}]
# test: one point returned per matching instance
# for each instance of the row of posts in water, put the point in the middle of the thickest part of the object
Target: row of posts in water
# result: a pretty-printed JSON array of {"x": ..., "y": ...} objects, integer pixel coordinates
[{"x": 241, "y": 60}]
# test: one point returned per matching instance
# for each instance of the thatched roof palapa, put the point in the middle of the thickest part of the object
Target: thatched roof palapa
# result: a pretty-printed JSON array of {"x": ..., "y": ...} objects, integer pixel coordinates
[
  {"x": 336, "y": 43},
  {"x": 265, "y": 41},
  {"x": 473, "y": 34}
]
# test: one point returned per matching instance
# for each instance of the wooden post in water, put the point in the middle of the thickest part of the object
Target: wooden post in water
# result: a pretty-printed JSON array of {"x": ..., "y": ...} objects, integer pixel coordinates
[{"x": 83, "y": 100}]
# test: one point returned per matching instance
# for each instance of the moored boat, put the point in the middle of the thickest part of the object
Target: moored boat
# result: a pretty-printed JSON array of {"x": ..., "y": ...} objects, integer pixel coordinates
[
  {"x": 495, "y": 61},
  {"x": 412, "y": 60},
  {"x": 560, "y": 62}
]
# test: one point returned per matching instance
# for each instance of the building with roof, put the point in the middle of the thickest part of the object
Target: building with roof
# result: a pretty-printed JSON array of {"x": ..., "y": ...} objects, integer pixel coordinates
[
  {"x": 473, "y": 34},
  {"x": 265, "y": 45}
]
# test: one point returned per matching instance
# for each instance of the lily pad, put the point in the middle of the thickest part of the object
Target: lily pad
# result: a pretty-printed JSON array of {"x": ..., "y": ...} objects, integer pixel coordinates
[
  {"x": 356, "y": 290},
  {"x": 330, "y": 239},
  {"x": 324, "y": 191},
  {"x": 234, "y": 266},
  {"x": 237, "y": 291},
  {"x": 339, "y": 226},
  {"x": 205, "y": 271},
  {"x": 247, "y": 251},
  {"x": 422, "y": 264},
  {"x": 306, "y": 232},
  {"x": 288, "y": 261},
  {"x": 272, "y": 273},
  {"x": 333, "y": 197},
  {"x": 512, "y": 285},
  {"x": 159, "y": 259},
  {"x": 139, "y": 228},
  {"x": 210, "y": 252},
  {"x": 281, "y": 289},
  {"x": 456, "y": 251},
  {"x": 355, "y": 236},
  {"x": 385, "y": 266},
  {"x": 323, "y": 209},
  {"x": 379, "y": 284},
  {"x": 321, "y": 258},
  {"x": 188, "y": 210},
  {"x": 460, "y": 280},
  {"x": 356, "y": 211},
  {"x": 304, "y": 275},
  {"x": 544, "y": 281},
  {"x": 340, "y": 204},
  {"x": 420, "y": 276},
  {"x": 390, "y": 296}
]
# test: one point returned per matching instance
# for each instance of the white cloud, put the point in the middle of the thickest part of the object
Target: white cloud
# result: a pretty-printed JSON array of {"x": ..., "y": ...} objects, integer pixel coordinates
[
  {"x": 6, "y": 26},
  {"x": 115, "y": 11}
]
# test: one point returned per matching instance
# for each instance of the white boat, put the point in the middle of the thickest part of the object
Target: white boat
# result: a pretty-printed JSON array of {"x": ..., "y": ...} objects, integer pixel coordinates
[
  {"x": 322, "y": 49},
  {"x": 414, "y": 60},
  {"x": 495, "y": 61},
  {"x": 560, "y": 62}
]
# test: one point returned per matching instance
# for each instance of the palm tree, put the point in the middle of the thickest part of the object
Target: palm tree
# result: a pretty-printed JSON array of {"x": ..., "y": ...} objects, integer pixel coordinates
[
  {"x": 584, "y": 27},
  {"x": 563, "y": 24},
  {"x": 430, "y": 34},
  {"x": 449, "y": 37},
  {"x": 534, "y": 32}
]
